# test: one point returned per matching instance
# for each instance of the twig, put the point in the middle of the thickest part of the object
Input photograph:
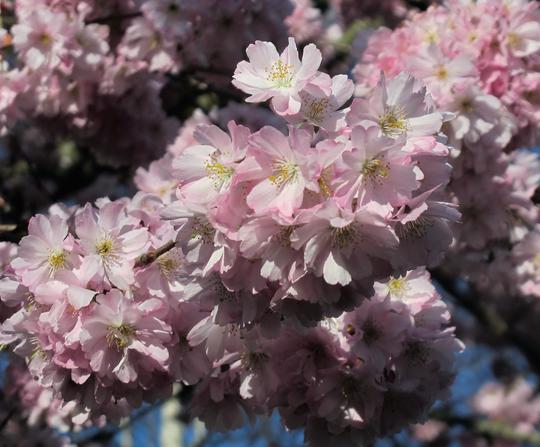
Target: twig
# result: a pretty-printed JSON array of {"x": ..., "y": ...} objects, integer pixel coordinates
[
  {"x": 6, "y": 419},
  {"x": 7, "y": 228},
  {"x": 116, "y": 18},
  {"x": 152, "y": 255}
]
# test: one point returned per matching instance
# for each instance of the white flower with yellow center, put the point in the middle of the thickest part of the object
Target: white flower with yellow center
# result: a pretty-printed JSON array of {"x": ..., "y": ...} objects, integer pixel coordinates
[{"x": 281, "y": 77}]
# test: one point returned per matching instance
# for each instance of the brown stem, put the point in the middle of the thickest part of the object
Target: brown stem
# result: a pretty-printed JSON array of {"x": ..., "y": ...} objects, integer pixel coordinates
[
  {"x": 7, "y": 228},
  {"x": 152, "y": 255},
  {"x": 116, "y": 18}
]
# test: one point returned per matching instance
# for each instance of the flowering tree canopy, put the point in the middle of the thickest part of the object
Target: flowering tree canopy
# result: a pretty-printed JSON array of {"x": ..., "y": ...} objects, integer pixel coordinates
[{"x": 276, "y": 205}]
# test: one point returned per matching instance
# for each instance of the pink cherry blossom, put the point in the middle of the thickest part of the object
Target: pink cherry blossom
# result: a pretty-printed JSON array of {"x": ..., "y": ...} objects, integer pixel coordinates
[{"x": 280, "y": 77}]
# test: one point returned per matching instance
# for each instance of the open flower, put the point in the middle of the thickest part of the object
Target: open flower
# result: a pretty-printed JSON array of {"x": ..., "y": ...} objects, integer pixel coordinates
[
  {"x": 339, "y": 244},
  {"x": 280, "y": 165},
  {"x": 322, "y": 109},
  {"x": 45, "y": 251},
  {"x": 111, "y": 242},
  {"x": 401, "y": 107},
  {"x": 121, "y": 337},
  {"x": 280, "y": 77},
  {"x": 376, "y": 169},
  {"x": 206, "y": 170}
]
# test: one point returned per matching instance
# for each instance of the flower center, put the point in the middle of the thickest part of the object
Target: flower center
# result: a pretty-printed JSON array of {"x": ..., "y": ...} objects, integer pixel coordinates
[
  {"x": 466, "y": 105},
  {"x": 119, "y": 336},
  {"x": 343, "y": 236},
  {"x": 280, "y": 74},
  {"x": 316, "y": 109},
  {"x": 432, "y": 36},
  {"x": 169, "y": 263},
  {"x": 393, "y": 122},
  {"x": 218, "y": 173},
  {"x": 56, "y": 260},
  {"x": 513, "y": 40},
  {"x": 441, "y": 73},
  {"x": 371, "y": 332},
  {"x": 45, "y": 39},
  {"x": 202, "y": 230},
  {"x": 397, "y": 286},
  {"x": 284, "y": 172},
  {"x": 104, "y": 247},
  {"x": 416, "y": 229},
  {"x": 284, "y": 236},
  {"x": 375, "y": 169},
  {"x": 417, "y": 353},
  {"x": 253, "y": 360},
  {"x": 223, "y": 294}
]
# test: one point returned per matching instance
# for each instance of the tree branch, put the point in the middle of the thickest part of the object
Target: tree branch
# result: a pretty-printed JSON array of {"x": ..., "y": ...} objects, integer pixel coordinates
[
  {"x": 152, "y": 255},
  {"x": 114, "y": 18}
]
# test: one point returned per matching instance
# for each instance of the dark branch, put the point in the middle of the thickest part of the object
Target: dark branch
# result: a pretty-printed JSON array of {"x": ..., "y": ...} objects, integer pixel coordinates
[
  {"x": 114, "y": 18},
  {"x": 152, "y": 255}
]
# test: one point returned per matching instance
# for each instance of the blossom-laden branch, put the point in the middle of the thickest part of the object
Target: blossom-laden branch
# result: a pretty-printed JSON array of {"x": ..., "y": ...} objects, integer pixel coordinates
[{"x": 114, "y": 18}]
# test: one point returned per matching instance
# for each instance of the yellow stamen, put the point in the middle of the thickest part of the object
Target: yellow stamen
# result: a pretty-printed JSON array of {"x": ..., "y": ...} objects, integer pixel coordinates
[
  {"x": 202, "y": 230},
  {"x": 218, "y": 173},
  {"x": 284, "y": 236},
  {"x": 253, "y": 360},
  {"x": 393, "y": 122},
  {"x": 119, "y": 336},
  {"x": 316, "y": 110},
  {"x": 441, "y": 73},
  {"x": 104, "y": 247},
  {"x": 513, "y": 40},
  {"x": 375, "y": 170},
  {"x": 169, "y": 264},
  {"x": 414, "y": 230},
  {"x": 284, "y": 172},
  {"x": 280, "y": 74},
  {"x": 56, "y": 260},
  {"x": 45, "y": 39},
  {"x": 342, "y": 237},
  {"x": 397, "y": 286}
]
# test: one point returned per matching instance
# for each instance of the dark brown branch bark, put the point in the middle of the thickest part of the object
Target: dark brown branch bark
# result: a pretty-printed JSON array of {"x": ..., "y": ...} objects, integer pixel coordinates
[
  {"x": 152, "y": 255},
  {"x": 114, "y": 18}
]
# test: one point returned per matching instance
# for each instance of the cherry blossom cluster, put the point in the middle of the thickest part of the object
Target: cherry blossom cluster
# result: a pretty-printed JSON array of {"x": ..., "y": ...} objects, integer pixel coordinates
[
  {"x": 515, "y": 403},
  {"x": 89, "y": 68},
  {"x": 348, "y": 379},
  {"x": 30, "y": 413},
  {"x": 285, "y": 229},
  {"x": 82, "y": 311},
  {"x": 68, "y": 65},
  {"x": 489, "y": 80},
  {"x": 511, "y": 407},
  {"x": 271, "y": 268}
]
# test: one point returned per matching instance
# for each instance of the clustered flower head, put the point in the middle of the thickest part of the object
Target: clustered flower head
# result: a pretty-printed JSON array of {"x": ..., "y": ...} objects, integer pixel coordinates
[
  {"x": 272, "y": 269},
  {"x": 479, "y": 60},
  {"x": 71, "y": 64}
]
